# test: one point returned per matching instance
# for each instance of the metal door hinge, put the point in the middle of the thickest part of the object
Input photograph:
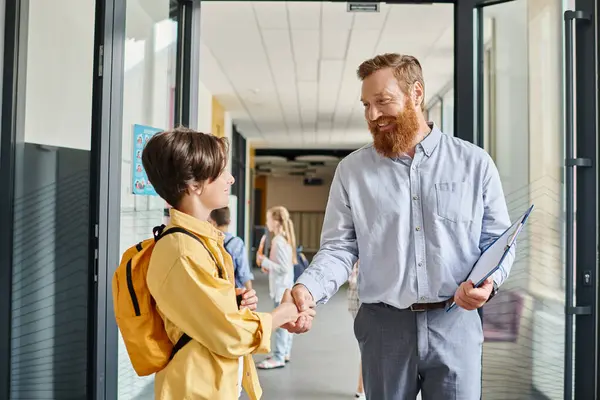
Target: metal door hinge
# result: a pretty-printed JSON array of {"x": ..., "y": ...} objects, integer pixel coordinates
[
  {"x": 579, "y": 310},
  {"x": 570, "y": 14},
  {"x": 96, "y": 264},
  {"x": 578, "y": 162},
  {"x": 101, "y": 60}
]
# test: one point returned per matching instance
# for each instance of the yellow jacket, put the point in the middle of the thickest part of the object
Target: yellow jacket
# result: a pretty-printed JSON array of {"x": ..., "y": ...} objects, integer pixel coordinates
[{"x": 191, "y": 298}]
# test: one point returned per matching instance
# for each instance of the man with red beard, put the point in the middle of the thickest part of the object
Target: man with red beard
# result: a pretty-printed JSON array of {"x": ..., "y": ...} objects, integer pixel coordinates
[{"x": 419, "y": 207}]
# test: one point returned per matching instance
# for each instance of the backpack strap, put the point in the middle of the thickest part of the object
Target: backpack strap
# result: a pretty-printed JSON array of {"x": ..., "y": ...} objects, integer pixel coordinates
[
  {"x": 183, "y": 340},
  {"x": 227, "y": 242},
  {"x": 159, "y": 233}
]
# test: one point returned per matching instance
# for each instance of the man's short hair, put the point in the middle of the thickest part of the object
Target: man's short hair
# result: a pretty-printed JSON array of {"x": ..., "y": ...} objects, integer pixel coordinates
[
  {"x": 407, "y": 70},
  {"x": 175, "y": 159},
  {"x": 221, "y": 216}
]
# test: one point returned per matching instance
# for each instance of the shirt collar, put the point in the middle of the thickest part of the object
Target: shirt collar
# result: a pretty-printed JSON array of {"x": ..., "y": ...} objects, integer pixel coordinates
[
  {"x": 430, "y": 142},
  {"x": 201, "y": 228}
]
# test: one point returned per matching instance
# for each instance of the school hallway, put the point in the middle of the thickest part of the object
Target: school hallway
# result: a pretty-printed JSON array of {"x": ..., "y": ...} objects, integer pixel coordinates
[{"x": 324, "y": 363}]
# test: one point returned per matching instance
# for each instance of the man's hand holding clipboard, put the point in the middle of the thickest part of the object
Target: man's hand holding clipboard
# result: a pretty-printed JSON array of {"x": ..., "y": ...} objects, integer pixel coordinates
[{"x": 476, "y": 290}]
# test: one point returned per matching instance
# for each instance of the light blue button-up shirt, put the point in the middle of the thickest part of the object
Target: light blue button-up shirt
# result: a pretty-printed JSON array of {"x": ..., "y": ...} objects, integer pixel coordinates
[{"x": 418, "y": 224}]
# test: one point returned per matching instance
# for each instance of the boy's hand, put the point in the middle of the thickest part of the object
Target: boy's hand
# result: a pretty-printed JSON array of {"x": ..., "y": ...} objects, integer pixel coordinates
[
  {"x": 306, "y": 308},
  {"x": 249, "y": 298}
]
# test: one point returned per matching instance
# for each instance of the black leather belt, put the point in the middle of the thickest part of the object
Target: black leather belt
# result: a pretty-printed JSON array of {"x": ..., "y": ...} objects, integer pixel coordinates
[{"x": 417, "y": 307}]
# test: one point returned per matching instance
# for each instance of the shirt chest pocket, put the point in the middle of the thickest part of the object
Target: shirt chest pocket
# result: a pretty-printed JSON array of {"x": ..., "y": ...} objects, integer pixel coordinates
[{"x": 454, "y": 201}]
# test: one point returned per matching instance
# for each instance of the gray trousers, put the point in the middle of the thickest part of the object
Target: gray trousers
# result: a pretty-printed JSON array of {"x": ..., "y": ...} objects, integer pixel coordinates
[{"x": 404, "y": 352}]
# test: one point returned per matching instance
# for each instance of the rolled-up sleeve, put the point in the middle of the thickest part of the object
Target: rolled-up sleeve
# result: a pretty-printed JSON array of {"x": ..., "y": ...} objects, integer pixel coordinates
[
  {"x": 204, "y": 307},
  {"x": 495, "y": 219},
  {"x": 332, "y": 265}
]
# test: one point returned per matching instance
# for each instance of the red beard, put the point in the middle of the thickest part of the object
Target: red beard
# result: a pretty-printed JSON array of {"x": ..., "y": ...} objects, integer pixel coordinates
[{"x": 402, "y": 138}]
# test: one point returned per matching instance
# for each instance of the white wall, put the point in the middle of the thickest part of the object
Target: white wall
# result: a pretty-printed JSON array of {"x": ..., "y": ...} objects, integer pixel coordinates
[
  {"x": 204, "y": 109},
  {"x": 228, "y": 133},
  {"x": 58, "y": 109}
]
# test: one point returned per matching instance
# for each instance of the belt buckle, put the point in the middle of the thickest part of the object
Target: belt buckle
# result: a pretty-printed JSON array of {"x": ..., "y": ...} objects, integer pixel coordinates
[{"x": 413, "y": 309}]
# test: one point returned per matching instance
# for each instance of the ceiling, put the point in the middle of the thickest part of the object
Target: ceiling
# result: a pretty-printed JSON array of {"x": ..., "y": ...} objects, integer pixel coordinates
[
  {"x": 307, "y": 163},
  {"x": 286, "y": 71}
]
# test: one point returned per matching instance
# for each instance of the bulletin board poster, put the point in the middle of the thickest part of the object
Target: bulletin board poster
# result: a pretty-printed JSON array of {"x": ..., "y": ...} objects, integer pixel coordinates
[{"x": 140, "y": 184}]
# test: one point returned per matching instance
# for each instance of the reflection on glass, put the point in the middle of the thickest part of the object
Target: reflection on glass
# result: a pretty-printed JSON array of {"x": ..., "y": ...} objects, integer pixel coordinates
[
  {"x": 148, "y": 107},
  {"x": 524, "y": 326},
  {"x": 448, "y": 120},
  {"x": 50, "y": 279},
  {"x": 434, "y": 113}
]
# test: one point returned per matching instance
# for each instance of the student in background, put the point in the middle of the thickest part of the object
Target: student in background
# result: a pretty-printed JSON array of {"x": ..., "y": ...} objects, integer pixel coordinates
[
  {"x": 221, "y": 218},
  {"x": 280, "y": 266}
]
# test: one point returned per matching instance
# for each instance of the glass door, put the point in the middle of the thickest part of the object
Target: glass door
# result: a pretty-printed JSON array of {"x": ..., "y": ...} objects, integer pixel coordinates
[{"x": 540, "y": 330}]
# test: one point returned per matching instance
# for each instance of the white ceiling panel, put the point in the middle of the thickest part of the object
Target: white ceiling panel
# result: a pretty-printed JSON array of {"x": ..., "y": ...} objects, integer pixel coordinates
[
  {"x": 306, "y": 44},
  {"x": 334, "y": 43},
  {"x": 394, "y": 43},
  {"x": 362, "y": 44},
  {"x": 307, "y": 70},
  {"x": 217, "y": 15},
  {"x": 329, "y": 84},
  {"x": 271, "y": 14},
  {"x": 279, "y": 49},
  {"x": 219, "y": 83},
  {"x": 304, "y": 15},
  {"x": 372, "y": 21},
  {"x": 335, "y": 17},
  {"x": 286, "y": 71},
  {"x": 324, "y": 127},
  {"x": 308, "y": 97}
]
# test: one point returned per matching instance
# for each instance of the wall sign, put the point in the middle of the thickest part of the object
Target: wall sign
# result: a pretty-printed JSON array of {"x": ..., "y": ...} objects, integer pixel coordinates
[{"x": 140, "y": 184}]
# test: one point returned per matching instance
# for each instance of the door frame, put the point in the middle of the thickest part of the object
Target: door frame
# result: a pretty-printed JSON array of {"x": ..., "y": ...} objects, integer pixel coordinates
[
  {"x": 469, "y": 82},
  {"x": 13, "y": 45},
  {"x": 584, "y": 311}
]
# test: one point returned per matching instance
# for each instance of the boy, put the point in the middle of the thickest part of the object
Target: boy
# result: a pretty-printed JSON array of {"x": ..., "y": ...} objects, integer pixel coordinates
[
  {"x": 191, "y": 278},
  {"x": 221, "y": 219}
]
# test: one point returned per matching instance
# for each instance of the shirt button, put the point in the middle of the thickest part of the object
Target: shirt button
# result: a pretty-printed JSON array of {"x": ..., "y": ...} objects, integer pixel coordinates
[
  {"x": 418, "y": 228},
  {"x": 420, "y": 264},
  {"x": 423, "y": 298},
  {"x": 415, "y": 197}
]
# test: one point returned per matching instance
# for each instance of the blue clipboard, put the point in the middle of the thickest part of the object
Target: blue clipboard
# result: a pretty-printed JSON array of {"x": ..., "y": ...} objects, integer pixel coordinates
[{"x": 493, "y": 256}]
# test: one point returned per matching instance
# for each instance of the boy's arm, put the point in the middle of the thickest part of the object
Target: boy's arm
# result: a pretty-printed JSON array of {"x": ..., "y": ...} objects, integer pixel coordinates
[{"x": 204, "y": 306}]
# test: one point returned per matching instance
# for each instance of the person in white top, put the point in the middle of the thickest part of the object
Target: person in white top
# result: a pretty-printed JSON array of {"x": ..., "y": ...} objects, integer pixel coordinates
[{"x": 280, "y": 267}]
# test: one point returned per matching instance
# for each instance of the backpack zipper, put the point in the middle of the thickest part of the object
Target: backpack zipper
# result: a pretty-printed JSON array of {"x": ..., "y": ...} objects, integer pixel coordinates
[{"x": 134, "y": 299}]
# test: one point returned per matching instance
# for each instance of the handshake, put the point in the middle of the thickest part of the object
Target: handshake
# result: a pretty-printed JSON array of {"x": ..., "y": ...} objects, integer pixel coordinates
[{"x": 296, "y": 310}]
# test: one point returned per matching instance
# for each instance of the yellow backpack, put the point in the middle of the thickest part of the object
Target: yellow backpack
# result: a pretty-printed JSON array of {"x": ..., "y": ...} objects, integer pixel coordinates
[{"x": 141, "y": 326}]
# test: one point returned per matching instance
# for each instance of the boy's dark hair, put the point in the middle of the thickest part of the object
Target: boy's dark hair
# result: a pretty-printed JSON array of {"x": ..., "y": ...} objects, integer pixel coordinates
[
  {"x": 175, "y": 159},
  {"x": 221, "y": 216}
]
